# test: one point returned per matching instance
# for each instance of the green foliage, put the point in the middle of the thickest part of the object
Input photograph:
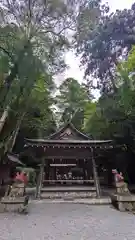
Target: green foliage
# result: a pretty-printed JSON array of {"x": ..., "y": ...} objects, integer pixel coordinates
[
  {"x": 89, "y": 110},
  {"x": 34, "y": 36},
  {"x": 39, "y": 117},
  {"x": 33, "y": 40},
  {"x": 71, "y": 102},
  {"x": 105, "y": 43},
  {"x": 115, "y": 113}
]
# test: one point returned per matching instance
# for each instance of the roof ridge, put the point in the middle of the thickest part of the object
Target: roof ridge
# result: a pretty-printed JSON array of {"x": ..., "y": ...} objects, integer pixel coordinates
[{"x": 65, "y": 126}]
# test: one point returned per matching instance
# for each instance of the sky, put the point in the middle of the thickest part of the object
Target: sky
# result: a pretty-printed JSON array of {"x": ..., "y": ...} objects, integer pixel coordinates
[{"x": 73, "y": 62}]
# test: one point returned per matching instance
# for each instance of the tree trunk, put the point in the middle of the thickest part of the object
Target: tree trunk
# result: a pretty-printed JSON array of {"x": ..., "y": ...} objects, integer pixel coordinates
[
  {"x": 112, "y": 81},
  {"x": 95, "y": 175},
  {"x": 3, "y": 118},
  {"x": 40, "y": 179},
  {"x": 13, "y": 73},
  {"x": 8, "y": 81},
  {"x": 15, "y": 133}
]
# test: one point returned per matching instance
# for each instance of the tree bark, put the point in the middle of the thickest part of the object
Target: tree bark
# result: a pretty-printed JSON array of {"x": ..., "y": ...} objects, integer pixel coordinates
[
  {"x": 112, "y": 81},
  {"x": 95, "y": 174},
  {"x": 15, "y": 133},
  {"x": 3, "y": 118},
  {"x": 40, "y": 179}
]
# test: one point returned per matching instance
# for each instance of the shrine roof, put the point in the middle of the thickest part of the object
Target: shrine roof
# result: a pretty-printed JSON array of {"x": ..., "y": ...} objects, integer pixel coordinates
[
  {"x": 42, "y": 141},
  {"x": 69, "y": 130},
  {"x": 68, "y": 134}
]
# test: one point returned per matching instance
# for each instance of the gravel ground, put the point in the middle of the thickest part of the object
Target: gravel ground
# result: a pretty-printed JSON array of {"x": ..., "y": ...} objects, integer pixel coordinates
[{"x": 67, "y": 222}]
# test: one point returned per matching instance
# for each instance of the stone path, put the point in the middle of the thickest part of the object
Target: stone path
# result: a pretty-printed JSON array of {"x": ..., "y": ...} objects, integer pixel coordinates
[{"x": 68, "y": 222}]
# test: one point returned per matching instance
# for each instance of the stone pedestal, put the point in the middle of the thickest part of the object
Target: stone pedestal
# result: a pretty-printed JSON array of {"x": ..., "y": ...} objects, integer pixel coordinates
[
  {"x": 123, "y": 203},
  {"x": 122, "y": 188},
  {"x": 123, "y": 200}
]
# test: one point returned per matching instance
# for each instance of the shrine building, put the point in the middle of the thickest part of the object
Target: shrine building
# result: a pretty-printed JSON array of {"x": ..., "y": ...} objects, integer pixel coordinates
[{"x": 67, "y": 157}]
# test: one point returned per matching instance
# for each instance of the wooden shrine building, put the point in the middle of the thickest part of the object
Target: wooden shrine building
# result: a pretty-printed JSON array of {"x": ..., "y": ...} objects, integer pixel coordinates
[{"x": 67, "y": 157}]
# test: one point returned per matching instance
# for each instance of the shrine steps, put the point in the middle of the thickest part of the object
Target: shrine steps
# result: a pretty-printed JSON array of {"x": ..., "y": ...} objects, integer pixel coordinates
[
  {"x": 68, "y": 192},
  {"x": 86, "y": 201}
]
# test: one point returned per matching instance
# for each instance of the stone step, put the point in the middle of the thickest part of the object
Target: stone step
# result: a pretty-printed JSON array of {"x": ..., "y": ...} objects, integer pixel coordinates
[
  {"x": 67, "y": 195},
  {"x": 87, "y": 201},
  {"x": 68, "y": 189}
]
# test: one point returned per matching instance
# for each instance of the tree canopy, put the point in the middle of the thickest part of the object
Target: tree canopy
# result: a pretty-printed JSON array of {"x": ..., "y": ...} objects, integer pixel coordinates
[
  {"x": 71, "y": 102},
  {"x": 105, "y": 44},
  {"x": 34, "y": 37}
]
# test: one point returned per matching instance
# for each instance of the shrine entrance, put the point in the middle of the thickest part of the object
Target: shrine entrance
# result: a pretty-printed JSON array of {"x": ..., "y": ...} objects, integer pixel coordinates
[
  {"x": 67, "y": 158},
  {"x": 67, "y": 173}
]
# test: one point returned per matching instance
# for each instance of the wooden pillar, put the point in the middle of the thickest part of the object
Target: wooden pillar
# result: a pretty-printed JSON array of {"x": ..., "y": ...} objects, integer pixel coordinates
[
  {"x": 47, "y": 170},
  {"x": 110, "y": 175},
  {"x": 95, "y": 175},
  {"x": 55, "y": 173},
  {"x": 84, "y": 170},
  {"x": 40, "y": 179}
]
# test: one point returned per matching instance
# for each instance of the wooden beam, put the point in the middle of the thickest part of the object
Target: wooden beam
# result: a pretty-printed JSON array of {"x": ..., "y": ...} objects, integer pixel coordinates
[
  {"x": 67, "y": 157},
  {"x": 62, "y": 165}
]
